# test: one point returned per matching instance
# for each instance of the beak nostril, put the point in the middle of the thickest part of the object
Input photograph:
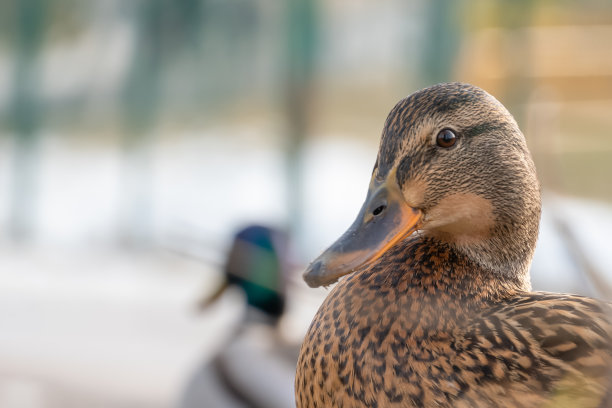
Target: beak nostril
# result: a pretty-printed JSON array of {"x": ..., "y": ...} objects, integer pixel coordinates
[{"x": 379, "y": 210}]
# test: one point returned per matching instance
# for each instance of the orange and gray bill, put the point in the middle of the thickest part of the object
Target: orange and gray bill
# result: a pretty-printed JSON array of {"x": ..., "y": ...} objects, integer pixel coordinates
[{"x": 384, "y": 219}]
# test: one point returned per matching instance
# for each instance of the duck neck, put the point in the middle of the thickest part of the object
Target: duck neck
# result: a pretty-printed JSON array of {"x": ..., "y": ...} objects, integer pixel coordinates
[
  {"x": 424, "y": 267},
  {"x": 507, "y": 251}
]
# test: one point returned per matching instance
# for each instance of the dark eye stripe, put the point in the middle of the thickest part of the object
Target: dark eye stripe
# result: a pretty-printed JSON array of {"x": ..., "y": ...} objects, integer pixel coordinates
[{"x": 482, "y": 128}]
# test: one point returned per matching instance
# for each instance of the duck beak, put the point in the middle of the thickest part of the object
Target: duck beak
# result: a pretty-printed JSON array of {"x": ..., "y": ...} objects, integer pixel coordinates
[{"x": 384, "y": 219}]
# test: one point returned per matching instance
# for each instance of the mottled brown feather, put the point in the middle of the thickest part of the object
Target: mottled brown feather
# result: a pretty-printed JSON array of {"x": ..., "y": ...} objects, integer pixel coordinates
[{"x": 443, "y": 322}]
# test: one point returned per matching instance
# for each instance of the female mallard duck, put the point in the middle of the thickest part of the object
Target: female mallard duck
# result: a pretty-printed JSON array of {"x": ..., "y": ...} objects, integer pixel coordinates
[{"x": 436, "y": 308}]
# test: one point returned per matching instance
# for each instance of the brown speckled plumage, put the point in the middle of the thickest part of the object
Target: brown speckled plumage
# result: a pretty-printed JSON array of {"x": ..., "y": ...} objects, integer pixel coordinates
[{"x": 444, "y": 318}]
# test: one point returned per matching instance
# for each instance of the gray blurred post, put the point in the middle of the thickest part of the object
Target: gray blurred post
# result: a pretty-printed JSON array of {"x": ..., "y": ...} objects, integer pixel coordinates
[
  {"x": 163, "y": 29},
  {"x": 301, "y": 46},
  {"x": 442, "y": 40},
  {"x": 140, "y": 101},
  {"x": 25, "y": 115}
]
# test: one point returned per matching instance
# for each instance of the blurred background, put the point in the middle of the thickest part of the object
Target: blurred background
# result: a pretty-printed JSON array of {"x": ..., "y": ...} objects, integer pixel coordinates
[{"x": 153, "y": 152}]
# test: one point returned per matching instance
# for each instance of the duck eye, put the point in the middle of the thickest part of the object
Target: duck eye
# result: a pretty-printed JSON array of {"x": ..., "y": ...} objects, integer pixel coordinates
[
  {"x": 379, "y": 209},
  {"x": 446, "y": 138}
]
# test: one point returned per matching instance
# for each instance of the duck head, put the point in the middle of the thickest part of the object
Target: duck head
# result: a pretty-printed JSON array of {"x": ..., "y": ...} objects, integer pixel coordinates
[{"x": 454, "y": 166}]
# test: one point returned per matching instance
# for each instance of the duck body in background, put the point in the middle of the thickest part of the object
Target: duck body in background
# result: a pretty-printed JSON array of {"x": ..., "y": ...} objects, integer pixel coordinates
[
  {"x": 255, "y": 366},
  {"x": 436, "y": 310}
]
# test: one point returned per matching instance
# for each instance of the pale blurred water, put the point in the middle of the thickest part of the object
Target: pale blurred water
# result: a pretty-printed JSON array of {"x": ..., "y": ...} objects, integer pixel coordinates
[
  {"x": 85, "y": 319},
  {"x": 80, "y": 314}
]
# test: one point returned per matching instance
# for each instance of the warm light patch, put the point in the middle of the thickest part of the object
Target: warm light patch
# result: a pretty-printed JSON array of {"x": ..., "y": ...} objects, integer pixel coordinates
[{"x": 464, "y": 217}]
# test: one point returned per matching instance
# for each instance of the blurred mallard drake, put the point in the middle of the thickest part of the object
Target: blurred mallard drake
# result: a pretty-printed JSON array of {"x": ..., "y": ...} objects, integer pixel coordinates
[
  {"x": 435, "y": 308},
  {"x": 256, "y": 263},
  {"x": 254, "y": 368}
]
